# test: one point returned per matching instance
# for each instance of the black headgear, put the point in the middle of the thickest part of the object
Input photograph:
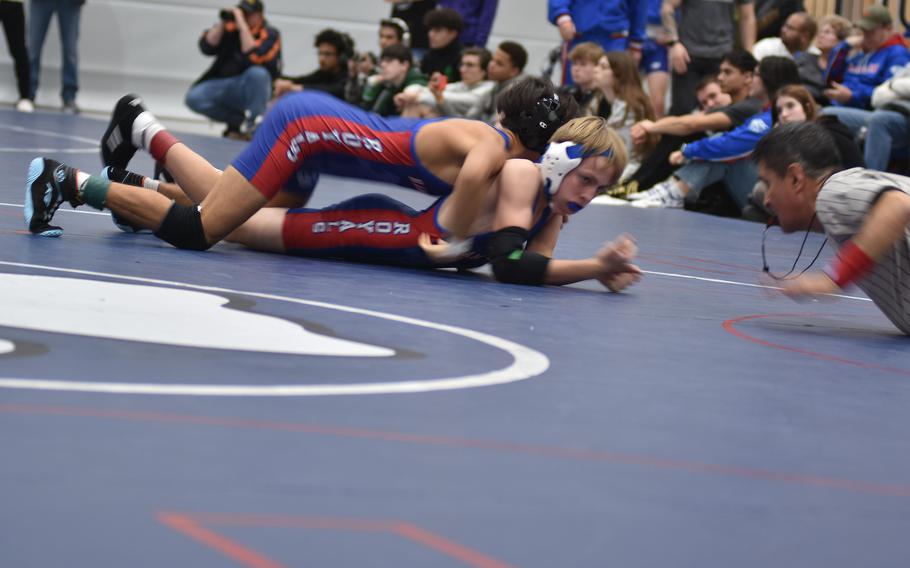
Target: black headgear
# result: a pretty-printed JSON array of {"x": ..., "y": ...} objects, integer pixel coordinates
[{"x": 535, "y": 126}]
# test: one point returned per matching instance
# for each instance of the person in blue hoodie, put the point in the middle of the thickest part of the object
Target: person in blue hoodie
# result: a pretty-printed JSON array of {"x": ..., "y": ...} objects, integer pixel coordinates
[
  {"x": 615, "y": 25},
  {"x": 882, "y": 54},
  {"x": 725, "y": 157}
]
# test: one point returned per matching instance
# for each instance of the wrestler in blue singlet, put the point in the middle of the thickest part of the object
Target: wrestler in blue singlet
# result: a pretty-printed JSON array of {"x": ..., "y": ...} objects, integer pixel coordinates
[{"x": 309, "y": 133}]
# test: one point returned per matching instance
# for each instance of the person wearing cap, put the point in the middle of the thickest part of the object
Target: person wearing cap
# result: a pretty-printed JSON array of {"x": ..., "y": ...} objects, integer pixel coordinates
[
  {"x": 237, "y": 86},
  {"x": 882, "y": 53}
]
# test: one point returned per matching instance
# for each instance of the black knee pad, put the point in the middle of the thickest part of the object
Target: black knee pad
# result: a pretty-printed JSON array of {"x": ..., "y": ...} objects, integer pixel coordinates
[{"x": 182, "y": 227}]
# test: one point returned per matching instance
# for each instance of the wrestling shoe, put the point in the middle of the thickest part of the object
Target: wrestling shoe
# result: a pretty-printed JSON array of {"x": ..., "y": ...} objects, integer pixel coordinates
[
  {"x": 127, "y": 178},
  {"x": 117, "y": 147},
  {"x": 663, "y": 195},
  {"x": 49, "y": 184}
]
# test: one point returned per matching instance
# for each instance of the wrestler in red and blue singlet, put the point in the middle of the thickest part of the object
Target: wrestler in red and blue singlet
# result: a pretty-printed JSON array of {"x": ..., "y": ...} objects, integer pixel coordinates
[{"x": 309, "y": 133}]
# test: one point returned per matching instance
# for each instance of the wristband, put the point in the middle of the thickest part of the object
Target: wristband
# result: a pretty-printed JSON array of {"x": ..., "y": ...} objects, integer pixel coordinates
[
  {"x": 563, "y": 18},
  {"x": 851, "y": 263}
]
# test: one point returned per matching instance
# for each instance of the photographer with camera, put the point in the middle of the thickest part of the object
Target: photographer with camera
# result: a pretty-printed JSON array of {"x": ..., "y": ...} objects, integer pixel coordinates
[{"x": 236, "y": 88}]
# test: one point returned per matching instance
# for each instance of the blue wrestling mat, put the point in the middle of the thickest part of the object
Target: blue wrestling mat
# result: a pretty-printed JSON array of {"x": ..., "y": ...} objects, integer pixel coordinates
[{"x": 235, "y": 408}]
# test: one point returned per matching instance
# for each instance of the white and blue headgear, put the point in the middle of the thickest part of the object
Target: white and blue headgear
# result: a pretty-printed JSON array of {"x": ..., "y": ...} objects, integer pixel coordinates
[{"x": 558, "y": 160}]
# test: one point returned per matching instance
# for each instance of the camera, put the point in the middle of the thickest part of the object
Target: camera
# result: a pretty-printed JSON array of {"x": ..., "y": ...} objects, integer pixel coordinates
[{"x": 226, "y": 15}]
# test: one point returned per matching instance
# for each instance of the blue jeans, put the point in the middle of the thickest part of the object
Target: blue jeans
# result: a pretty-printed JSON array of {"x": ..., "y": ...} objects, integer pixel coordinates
[
  {"x": 68, "y": 12},
  {"x": 227, "y": 100},
  {"x": 886, "y": 133},
  {"x": 739, "y": 178}
]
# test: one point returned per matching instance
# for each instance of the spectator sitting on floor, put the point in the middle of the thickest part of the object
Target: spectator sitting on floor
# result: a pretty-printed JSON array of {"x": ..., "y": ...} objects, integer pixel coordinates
[
  {"x": 796, "y": 35},
  {"x": 396, "y": 72},
  {"x": 623, "y": 102},
  {"x": 725, "y": 157},
  {"x": 711, "y": 96},
  {"x": 413, "y": 14},
  {"x": 735, "y": 79},
  {"x": 334, "y": 50},
  {"x": 505, "y": 67},
  {"x": 832, "y": 30},
  {"x": 880, "y": 54},
  {"x": 236, "y": 88},
  {"x": 886, "y": 126},
  {"x": 795, "y": 41},
  {"x": 443, "y": 27},
  {"x": 795, "y": 103},
  {"x": 360, "y": 70},
  {"x": 737, "y": 70},
  {"x": 392, "y": 31},
  {"x": 466, "y": 99},
  {"x": 584, "y": 58}
]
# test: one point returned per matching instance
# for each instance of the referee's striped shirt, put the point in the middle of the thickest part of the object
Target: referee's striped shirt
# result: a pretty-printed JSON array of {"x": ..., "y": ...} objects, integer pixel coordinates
[{"x": 843, "y": 204}]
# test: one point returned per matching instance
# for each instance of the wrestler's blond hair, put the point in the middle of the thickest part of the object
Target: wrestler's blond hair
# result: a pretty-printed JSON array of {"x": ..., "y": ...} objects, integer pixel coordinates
[{"x": 596, "y": 138}]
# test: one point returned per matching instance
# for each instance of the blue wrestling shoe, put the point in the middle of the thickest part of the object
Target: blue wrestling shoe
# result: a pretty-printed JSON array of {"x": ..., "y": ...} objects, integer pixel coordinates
[
  {"x": 127, "y": 178},
  {"x": 48, "y": 185}
]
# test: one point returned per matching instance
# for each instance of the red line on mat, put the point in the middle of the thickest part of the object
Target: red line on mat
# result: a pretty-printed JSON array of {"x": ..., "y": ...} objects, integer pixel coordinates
[
  {"x": 220, "y": 543},
  {"x": 192, "y": 525},
  {"x": 729, "y": 327}
]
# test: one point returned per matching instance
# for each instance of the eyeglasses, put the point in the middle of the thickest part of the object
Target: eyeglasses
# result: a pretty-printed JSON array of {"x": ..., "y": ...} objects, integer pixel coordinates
[{"x": 766, "y": 269}]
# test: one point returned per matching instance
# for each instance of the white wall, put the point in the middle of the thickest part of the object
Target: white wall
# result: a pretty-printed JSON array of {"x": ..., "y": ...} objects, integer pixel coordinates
[{"x": 149, "y": 46}]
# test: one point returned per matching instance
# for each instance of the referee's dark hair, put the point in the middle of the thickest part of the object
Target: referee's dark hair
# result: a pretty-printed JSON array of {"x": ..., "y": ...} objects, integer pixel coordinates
[{"x": 805, "y": 143}]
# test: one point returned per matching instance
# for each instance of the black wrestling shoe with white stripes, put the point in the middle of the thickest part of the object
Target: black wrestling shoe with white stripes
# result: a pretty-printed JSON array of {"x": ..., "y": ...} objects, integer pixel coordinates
[
  {"x": 48, "y": 185},
  {"x": 125, "y": 177},
  {"x": 117, "y": 147}
]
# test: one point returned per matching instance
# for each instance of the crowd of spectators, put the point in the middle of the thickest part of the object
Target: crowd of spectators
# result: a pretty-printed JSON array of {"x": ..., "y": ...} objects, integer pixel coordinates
[{"x": 735, "y": 70}]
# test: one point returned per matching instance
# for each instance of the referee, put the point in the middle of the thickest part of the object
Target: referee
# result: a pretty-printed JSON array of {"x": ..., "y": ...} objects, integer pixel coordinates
[{"x": 865, "y": 213}]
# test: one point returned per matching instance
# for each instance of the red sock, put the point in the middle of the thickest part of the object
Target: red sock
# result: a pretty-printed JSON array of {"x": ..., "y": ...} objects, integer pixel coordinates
[{"x": 161, "y": 143}]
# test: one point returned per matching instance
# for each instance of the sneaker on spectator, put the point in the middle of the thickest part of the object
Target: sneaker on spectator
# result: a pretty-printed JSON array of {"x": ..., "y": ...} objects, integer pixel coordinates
[
  {"x": 25, "y": 105},
  {"x": 663, "y": 195},
  {"x": 623, "y": 190},
  {"x": 69, "y": 107}
]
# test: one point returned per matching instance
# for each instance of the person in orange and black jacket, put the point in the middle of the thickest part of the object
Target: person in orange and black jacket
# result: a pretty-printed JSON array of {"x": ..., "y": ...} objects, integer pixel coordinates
[{"x": 237, "y": 86}]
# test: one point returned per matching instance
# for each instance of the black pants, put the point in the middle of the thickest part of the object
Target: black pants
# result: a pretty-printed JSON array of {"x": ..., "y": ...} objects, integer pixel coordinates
[
  {"x": 656, "y": 166},
  {"x": 13, "y": 16},
  {"x": 683, "y": 86}
]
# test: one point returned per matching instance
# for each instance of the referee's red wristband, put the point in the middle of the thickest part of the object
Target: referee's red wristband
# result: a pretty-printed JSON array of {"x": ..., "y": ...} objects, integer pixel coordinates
[{"x": 851, "y": 263}]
